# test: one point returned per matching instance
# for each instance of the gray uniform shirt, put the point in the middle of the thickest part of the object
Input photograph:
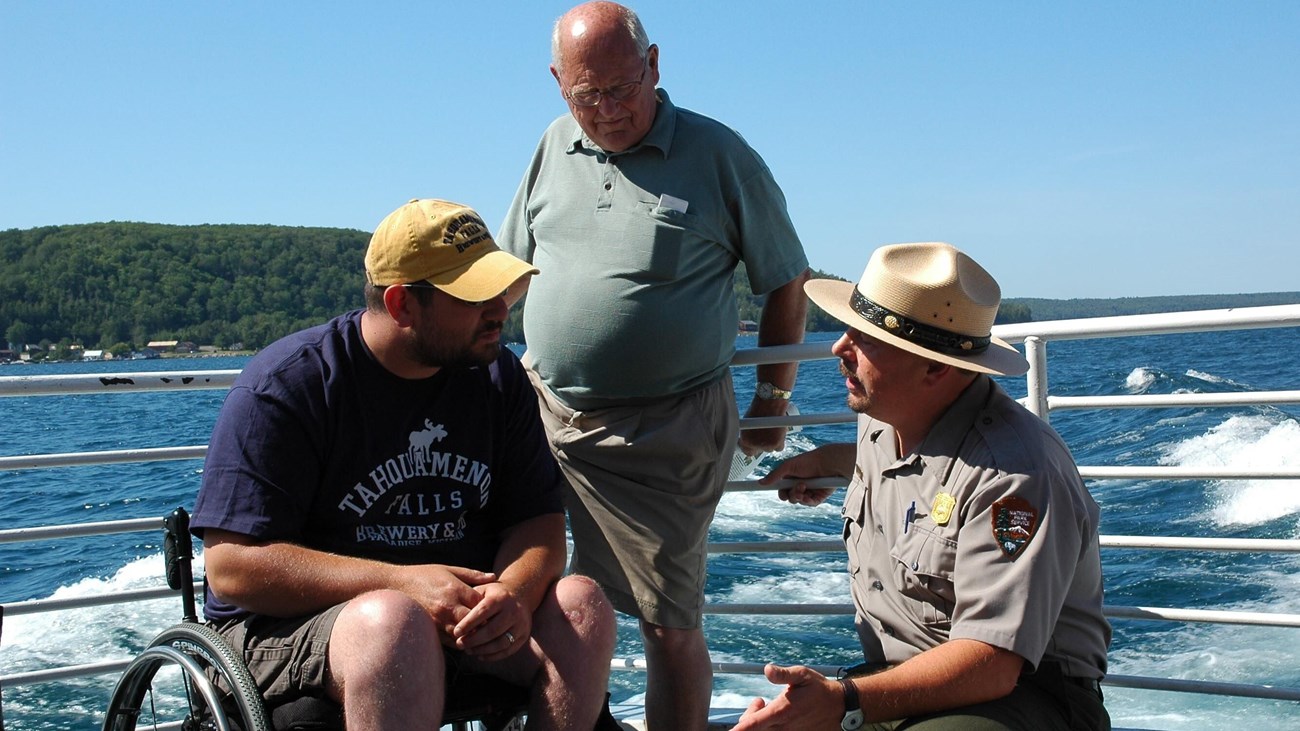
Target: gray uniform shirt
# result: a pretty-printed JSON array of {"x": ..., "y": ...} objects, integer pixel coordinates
[{"x": 986, "y": 532}]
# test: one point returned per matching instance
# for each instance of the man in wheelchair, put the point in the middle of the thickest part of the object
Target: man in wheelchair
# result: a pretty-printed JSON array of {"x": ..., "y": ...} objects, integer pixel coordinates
[{"x": 380, "y": 509}]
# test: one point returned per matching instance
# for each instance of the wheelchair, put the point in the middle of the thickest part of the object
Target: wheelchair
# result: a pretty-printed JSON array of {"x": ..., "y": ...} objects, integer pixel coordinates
[{"x": 171, "y": 683}]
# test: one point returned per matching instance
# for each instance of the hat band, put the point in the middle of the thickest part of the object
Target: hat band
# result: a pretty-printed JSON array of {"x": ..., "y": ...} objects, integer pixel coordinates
[{"x": 933, "y": 338}]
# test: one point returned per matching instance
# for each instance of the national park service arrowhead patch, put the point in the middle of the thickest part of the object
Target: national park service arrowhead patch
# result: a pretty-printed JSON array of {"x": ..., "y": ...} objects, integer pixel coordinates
[{"x": 1014, "y": 523}]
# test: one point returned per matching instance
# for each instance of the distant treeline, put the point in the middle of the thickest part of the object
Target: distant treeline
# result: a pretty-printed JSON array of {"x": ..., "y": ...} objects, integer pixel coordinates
[
  {"x": 118, "y": 286},
  {"x": 1045, "y": 309}
]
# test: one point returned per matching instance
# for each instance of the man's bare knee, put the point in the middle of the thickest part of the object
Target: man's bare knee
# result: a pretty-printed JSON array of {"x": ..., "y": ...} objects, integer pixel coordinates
[
  {"x": 585, "y": 607},
  {"x": 385, "y": 624},
  {"x": 385, "y": 659},
  {"x": 376, "y": 634}
]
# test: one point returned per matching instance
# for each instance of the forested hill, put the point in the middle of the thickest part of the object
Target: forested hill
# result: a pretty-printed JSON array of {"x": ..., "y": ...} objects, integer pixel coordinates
[
  {"x": 120, "y": 285},
  {"x": 104, "y": 284}
]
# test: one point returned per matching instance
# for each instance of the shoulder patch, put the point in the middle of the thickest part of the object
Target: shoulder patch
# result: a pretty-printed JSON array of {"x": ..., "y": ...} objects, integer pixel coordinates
[{"x": 1014, "y": 523}]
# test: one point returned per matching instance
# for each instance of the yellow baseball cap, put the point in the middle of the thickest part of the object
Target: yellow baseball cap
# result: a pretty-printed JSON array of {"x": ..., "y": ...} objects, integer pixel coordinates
[{"x": 445, "y": 244}]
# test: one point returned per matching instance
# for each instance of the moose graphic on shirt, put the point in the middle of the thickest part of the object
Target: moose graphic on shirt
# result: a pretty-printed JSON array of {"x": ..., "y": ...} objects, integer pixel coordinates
[
  {"x": 420, "y": 440},
  {"x": 439, "y": 512}
]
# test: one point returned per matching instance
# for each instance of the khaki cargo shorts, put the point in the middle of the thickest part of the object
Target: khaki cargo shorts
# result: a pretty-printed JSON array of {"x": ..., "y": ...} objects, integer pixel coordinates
[{"x": 644, "y": 483}]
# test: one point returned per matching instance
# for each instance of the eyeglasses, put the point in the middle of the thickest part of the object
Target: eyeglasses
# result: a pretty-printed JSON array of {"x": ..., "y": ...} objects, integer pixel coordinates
[
  {"x": 592, "y": 97},
  {"x": 467, "y": 303}
]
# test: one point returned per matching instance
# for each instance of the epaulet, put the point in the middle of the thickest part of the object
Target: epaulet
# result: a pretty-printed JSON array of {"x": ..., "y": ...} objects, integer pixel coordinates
[{"x": 1012, "y": 438}]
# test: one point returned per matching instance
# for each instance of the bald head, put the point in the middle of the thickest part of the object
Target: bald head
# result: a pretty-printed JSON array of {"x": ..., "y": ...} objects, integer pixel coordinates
[
  {"x": 607, "y": 71},
  {"x": 597, "y": 28}
]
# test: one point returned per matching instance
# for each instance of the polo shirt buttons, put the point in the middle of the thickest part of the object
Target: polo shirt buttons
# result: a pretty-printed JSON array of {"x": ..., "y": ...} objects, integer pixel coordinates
[
  {"x": 877, "y": 585},
  {"x": 608, "y": 186},
  {"x": 888, "y": 630}
]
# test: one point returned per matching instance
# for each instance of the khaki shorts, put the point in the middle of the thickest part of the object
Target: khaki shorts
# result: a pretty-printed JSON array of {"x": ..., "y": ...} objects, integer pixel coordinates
[
  {"x": 644, "y": 483},
  {"x": 288, "y": 658}
]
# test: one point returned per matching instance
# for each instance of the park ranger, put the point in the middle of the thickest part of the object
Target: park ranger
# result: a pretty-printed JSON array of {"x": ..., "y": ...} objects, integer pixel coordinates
[{"x": 972, "y": 541}]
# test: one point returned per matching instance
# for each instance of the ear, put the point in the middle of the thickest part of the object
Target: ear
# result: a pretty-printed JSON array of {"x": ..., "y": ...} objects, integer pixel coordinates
[
  {"x": 652, "y": 61},
  {"x": 936, "y": 371},
  {"x": 556, "y": 74},
  {"x": 397, "y": 300}
]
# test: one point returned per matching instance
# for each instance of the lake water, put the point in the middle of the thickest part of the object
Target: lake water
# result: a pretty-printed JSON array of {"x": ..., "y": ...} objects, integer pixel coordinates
[{"x": 1231, "y": 437}]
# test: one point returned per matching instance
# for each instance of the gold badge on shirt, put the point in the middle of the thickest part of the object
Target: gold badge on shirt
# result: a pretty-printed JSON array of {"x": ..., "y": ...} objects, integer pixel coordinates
[{"x": 941, "y": 510}]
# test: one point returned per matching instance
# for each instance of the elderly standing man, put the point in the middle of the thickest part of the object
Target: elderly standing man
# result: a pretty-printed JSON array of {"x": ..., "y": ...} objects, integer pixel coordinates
[
  {"x": 640, "y": 212},
  {"x": 972, "y": 541}
]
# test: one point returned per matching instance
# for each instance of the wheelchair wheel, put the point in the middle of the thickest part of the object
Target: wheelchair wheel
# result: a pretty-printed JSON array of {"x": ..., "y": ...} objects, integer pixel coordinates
[{"x": 144, "y": 698}]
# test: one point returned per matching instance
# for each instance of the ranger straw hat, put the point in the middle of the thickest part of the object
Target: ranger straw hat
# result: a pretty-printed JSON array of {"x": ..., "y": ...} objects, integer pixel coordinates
[{"x": 929, "y": 299}]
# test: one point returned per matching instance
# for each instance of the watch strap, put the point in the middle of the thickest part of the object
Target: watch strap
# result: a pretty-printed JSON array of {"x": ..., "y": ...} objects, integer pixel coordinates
[
  {"x": 768, "y": 391},
  {"x": 851, "y": 702},
  {"x": 853, "y": 717}
]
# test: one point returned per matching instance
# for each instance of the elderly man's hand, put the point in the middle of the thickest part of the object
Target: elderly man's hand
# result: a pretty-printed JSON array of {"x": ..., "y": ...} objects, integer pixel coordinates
[{"x": 757, "y": 441}]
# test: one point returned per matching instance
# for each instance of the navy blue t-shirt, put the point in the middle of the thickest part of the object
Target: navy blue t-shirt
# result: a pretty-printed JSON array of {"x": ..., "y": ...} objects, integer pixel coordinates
[{"x": 319, "y": 445}]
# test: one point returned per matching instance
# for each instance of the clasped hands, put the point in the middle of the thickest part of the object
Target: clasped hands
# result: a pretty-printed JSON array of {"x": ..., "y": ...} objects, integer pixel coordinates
[{"x": 475, "y": 612}]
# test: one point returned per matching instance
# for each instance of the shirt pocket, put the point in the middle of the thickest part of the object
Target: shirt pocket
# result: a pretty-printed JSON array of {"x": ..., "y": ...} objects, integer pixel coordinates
[
  {"x": 923, "y": 572},
  {"x": 854, "y": 512},
  {"x": 657, "y": 238}
]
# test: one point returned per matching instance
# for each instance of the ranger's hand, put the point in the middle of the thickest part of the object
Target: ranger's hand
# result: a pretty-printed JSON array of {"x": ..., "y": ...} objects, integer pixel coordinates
[{"x": 804, "y": 466}]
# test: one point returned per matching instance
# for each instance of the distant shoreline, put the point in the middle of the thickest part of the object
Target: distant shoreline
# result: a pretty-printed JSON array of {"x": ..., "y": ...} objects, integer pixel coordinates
[{"x": 1042, "y": 309}]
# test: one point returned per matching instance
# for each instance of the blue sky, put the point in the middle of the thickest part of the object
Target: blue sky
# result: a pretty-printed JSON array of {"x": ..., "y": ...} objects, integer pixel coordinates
[{"x": 1097, "y": 149}]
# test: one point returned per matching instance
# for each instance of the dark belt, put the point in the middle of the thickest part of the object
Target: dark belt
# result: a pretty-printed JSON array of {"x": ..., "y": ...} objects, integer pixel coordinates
[
  {"x": 1050, "y": 670},
  {"x": 1091, "y": 684}
]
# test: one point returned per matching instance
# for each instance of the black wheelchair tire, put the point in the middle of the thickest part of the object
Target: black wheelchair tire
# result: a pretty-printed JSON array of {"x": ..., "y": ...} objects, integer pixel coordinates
[{"x": 196, "y": 649}]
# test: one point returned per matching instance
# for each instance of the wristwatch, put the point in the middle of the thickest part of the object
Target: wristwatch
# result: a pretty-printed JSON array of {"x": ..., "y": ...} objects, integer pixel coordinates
[
  {"x": 768, "y": 392},
  {"x": 853, "y": 718}
]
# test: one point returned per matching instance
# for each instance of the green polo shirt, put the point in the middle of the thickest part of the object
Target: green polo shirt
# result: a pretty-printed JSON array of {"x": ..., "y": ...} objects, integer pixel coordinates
[{"x": 637, "y": 251}]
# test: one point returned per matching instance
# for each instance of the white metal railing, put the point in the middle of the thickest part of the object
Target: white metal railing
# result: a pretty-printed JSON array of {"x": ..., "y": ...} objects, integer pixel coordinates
[
  {"x": 1033, "y": 335},
  {"x": 63, "y": 385}
]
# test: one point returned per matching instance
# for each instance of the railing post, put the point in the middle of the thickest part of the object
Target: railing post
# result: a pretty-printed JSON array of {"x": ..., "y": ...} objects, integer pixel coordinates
[
  {"x": 1, "y": 687},
  {"x": 1036, "y": 378}
]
